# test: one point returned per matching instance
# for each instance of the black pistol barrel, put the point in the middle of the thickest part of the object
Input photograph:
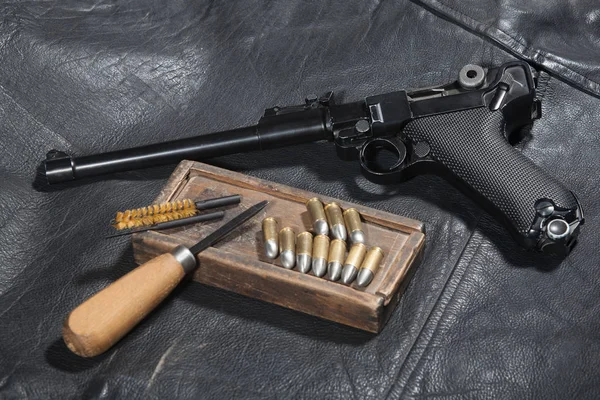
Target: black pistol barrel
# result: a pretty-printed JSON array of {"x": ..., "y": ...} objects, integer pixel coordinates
[{"x": 272, "y": 131}]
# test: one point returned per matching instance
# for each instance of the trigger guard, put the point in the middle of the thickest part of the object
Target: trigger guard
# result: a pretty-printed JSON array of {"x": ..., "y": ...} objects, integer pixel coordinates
[{"x": 382, "y": 175}]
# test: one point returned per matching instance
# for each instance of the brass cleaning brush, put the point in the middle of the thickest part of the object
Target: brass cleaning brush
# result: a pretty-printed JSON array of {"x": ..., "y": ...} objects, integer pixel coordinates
[
  {"x": 173, "y": 210},
  {"x": 176, "y": 223}
]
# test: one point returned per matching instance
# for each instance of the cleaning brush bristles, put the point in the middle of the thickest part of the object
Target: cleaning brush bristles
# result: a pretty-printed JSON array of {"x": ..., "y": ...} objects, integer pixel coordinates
[{"x": 146, "y": 216}]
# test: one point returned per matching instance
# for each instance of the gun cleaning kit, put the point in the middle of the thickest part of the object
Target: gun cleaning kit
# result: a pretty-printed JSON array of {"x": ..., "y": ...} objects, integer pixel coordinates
[
  {"x": 103, "y": 319},
  {"x": 295, "y": 251},
  {"x": 318, "y": 263},
  {"x": 171, "y": 214},
  {"x": 322, "y": 256}
]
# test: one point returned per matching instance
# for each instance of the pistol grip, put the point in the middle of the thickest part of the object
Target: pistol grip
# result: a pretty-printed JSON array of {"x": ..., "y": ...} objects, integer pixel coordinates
[{"x": 471, "y": 147}]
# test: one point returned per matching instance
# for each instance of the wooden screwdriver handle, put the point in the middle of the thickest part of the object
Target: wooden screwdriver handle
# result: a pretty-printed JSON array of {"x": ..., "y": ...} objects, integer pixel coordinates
[{"x": 103, "y": 319}]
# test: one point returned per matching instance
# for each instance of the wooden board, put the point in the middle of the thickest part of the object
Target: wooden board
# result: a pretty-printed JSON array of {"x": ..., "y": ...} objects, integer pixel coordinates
[{"x": 238, "y": 262}]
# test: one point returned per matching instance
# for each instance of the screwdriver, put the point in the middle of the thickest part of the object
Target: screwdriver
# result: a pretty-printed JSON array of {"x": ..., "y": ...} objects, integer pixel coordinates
[{"x": 102, "y": 320}]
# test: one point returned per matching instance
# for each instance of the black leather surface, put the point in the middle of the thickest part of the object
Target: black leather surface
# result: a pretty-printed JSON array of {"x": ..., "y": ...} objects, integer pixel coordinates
[
  {"x": 560, "y": 36},
  {"x": 481, "y": 318}
]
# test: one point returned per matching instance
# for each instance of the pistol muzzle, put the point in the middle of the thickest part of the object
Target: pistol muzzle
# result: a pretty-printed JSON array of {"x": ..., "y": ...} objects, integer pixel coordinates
[{"x": 59, "y": 167}]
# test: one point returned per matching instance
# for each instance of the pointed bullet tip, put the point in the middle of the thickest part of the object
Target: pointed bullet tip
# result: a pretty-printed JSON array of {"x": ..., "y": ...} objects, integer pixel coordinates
[
  {"x": 319, "y": 266},
  {"x": 339, "y": 231},
  {"x": 271, "y": 249},
  {"x": 365, "y": 277},
  {"x": 357, "y": 237},
  {"x": 349, "y": 274},
  {"x": 335, "y": 271},
  {"x": 288, "y": 260},
  {"x": 303, "y": 262},
  {"x": 321, "y": 227}
]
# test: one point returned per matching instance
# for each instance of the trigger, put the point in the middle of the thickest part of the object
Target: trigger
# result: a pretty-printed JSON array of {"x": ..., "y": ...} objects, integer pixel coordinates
[{"x": 381, "y": 159}]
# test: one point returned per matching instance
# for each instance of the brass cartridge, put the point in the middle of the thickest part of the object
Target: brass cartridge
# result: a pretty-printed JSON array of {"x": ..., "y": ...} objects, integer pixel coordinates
[
  {"x": 353, "y": 261},
  {"x": 319, "y": 255},
  {"x": 287, "y": 247},
  {"x": 270, "y": 237},
  {"x": 335, "y": 259},
  {"x": 354, "y": 226},
  {"x": 317, "y": 216},
  {"x": 333, "y": 211},
  {"x": 304, "y": 242},
  {"x": 369, "y": 266}
]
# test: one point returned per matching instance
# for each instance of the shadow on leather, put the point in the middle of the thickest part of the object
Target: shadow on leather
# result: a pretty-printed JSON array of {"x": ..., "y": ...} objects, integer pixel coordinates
[
  {"x": 60, "y": 357},
  {"x": 110, "y": 273},
  {"x": 273, "y": 315},
  {"x": 222, "y": 301}
]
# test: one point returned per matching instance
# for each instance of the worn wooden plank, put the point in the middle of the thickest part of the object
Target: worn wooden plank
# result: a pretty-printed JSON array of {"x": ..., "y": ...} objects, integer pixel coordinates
[{"x": 238, "y": 263}]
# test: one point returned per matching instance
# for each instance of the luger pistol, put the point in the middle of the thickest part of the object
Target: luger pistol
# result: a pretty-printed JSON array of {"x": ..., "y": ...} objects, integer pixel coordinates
[{"x": 463, "y": 131}]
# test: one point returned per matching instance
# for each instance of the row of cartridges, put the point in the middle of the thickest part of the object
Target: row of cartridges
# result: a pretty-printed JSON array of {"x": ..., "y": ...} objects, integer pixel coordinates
[{"x": 322, "y": 254}]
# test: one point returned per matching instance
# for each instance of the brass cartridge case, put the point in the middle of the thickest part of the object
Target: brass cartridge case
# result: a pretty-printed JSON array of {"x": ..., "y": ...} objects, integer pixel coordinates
[
  {"x": 270, "y": 237},
  {"x": 337, "y": 251},
  {"x": 369, "y": 266},
  {"x": 287, "y": 247},
  {"x": 335, "y": 259},
  {"x": 354, "y": 226},
  {"x": 333, "y": 211},
  {"x": 372, "y": 259},
  {"x": 319, "y": 254},
  {"x": 317, "y": 216},
  {"x": 304, "y": 242},
  {"x": 353, "y": 261}
]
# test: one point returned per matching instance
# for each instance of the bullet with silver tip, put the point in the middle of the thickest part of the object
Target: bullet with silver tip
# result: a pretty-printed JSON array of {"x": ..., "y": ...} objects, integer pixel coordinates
[
  {"x": 287, "y": 247},
  {"x": 354, "y": 226},
  {"x": 304, "y": 242},
  {"x": 270, "y": 237},
  {"x": 353, "y": 261},
  {"x": 335, "y": 260},
  {"x": 319, "y": 255},
  {"x": 369, "y": 266},
  {"x": 333, "y": 211},
  {"x": 317, "y": 216}
]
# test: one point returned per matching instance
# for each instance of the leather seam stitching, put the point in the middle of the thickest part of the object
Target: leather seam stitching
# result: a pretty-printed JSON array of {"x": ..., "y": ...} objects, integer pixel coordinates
[
  {"x": 439, "y": 305},
  {"x": 453, "y": 285},
  {"x": 542, "y": 87}
]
